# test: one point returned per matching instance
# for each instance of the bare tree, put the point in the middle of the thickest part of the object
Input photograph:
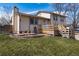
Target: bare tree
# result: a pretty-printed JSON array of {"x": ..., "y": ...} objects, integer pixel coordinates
[
  {"x": 4, "y": 17},
  {"x": 60, "y": 7},
  {"x": 71, "y": 10}
]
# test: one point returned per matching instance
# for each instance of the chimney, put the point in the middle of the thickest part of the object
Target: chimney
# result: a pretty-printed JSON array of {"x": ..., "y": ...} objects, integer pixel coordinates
[{"x": 15, "y": 10}]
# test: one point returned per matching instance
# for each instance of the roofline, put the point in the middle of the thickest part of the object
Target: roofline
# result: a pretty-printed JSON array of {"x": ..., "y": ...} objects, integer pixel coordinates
[
  {"x": 49, "y": 13},
  {"x": 31, "y": 15}
]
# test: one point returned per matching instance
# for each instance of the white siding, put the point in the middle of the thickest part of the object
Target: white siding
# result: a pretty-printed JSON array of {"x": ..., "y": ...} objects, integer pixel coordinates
[
  {"x": 24, "y": 23},
  {"x": 15, "y": 24},
  {"x": 46, "y": 15},
  {"x": 40, "y": 21},
  {"x": 62, "y": 22},
  {"x": 43, "y": 22},
  {"x": 58, "y": 20}
]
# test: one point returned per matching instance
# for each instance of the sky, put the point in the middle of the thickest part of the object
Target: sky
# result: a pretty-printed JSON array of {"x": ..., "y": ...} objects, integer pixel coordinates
[{"x": 29, "y": 8}]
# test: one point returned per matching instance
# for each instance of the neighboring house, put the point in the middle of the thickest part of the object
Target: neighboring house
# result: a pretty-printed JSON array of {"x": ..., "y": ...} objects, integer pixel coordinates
[
  {"x": 77, "y": 31},
  {"x": 43, "y": 22}
]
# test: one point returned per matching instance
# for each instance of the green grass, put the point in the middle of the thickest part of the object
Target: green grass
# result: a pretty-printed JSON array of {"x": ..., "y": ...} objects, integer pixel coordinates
[{"x": 41, "y": 46}]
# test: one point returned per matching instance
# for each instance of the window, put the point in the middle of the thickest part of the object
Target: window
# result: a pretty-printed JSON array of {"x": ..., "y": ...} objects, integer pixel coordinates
[
  {"x": 36, "y": 21},
  {"x": 62, "y": 20},
  {"x": 55, "y": 18},
  {"x": 33, "y": 21}
]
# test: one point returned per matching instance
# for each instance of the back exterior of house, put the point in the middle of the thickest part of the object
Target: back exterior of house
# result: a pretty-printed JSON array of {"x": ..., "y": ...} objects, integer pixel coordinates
[
  {"x": 43, "y": 22},
  {"x": 55, "y": 20}
]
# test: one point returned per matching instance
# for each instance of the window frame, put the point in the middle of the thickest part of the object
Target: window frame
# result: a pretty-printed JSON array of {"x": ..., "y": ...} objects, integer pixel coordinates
[
  {"x": 33, "y": 21},
  {"x": 55, "y": 18}
]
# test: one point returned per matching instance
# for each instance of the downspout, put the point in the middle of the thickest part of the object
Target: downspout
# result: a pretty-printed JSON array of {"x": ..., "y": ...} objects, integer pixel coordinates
[{"x": 29, "y": 26}]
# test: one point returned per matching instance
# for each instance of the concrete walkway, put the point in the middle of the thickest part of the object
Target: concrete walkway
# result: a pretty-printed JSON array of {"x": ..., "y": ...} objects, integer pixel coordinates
[{"x": 22, "y": 36}]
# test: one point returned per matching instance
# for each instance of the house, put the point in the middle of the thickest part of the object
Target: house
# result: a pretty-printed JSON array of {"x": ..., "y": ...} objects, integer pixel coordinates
[
  {"x": 42, "y": 22},
  {"x": 55, "y": 19},
  {"x": 77, "y": 31}
]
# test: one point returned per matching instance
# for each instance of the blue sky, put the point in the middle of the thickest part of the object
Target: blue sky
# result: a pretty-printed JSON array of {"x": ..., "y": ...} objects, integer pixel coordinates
[{"x": 28, "y": 7}]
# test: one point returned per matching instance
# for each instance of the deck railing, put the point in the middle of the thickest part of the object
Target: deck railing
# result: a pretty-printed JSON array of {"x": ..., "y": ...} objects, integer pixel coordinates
[{"x": 49, "y": 29}]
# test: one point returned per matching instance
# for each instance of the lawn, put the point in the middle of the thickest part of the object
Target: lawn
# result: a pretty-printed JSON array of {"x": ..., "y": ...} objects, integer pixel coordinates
[{"x": 41, "y": 46}]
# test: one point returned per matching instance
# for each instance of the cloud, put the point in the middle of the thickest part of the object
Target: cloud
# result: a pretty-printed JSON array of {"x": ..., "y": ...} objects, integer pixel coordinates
[{"x": 32, "y": 12}]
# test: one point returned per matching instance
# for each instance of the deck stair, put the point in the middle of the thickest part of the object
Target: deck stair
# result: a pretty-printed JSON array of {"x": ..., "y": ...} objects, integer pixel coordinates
[{"x": 64, "y": 31}]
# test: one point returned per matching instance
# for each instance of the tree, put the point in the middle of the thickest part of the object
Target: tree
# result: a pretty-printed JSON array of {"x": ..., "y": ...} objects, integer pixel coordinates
[
  {"x": 60, "y": 8},
  {"x": 71, "y": 10},
  {"x": 4, "y": 16}
]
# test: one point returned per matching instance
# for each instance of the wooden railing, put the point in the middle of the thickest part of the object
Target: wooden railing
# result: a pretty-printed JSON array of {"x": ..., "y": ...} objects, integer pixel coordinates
[{"x": 47, "y": 29}]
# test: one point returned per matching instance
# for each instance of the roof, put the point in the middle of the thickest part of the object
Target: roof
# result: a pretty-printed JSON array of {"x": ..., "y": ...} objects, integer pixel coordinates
[
  {"x": 50, "y": 13},
  {"x": 32, "y": 16}
]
